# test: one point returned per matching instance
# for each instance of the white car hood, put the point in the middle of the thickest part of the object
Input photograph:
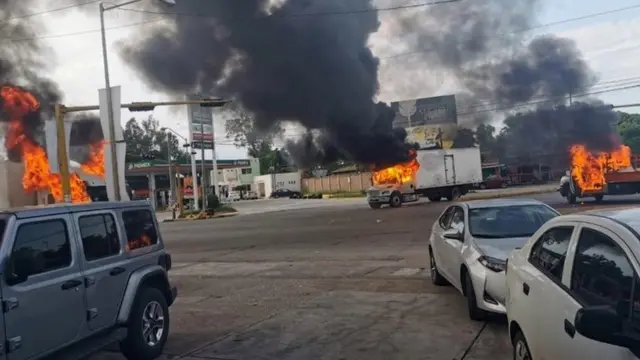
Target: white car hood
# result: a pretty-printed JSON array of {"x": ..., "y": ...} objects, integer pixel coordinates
[{"x": 499, "y": 248}]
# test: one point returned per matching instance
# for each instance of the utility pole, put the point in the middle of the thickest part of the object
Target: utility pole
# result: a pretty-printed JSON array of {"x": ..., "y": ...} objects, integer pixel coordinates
[
  {"x": 172, "y": 196},
  {"x": 63, "y": 157},
  {"x": 203, "y": 181}
]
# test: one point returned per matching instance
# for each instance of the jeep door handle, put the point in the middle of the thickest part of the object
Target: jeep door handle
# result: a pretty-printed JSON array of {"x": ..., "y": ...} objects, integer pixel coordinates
[
  {"x": 117, "y": 271},
  {"x": 525, "y": 288},
  {"x": 71, "y": 284}
]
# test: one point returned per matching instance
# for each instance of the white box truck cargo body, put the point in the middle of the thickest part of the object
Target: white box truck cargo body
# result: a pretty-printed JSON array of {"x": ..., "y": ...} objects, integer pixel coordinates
[{"x": 448, "y": 173}]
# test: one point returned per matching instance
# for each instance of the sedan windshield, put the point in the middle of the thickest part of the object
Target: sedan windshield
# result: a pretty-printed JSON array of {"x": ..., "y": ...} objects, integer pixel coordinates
[{"x": 508, "y": 221}]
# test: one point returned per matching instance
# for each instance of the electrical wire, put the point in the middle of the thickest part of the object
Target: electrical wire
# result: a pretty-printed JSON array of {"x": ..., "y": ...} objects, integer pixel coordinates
[
  {"x": 49, "y": 11},
  {"x": 278, "y": 16}
]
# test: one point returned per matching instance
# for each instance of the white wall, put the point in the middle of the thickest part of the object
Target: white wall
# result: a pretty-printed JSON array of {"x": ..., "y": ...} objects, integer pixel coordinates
[{"x": 289, "y": 181}]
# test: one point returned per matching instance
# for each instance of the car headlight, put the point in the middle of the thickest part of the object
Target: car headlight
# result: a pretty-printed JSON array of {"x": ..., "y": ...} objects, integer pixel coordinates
[{"x": 493, "y": 264}]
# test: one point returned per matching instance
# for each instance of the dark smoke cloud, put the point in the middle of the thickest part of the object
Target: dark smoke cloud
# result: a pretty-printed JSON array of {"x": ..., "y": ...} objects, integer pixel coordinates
[
  {"x": 316, "y": 70},
  {"x": 23, "y": 62}
]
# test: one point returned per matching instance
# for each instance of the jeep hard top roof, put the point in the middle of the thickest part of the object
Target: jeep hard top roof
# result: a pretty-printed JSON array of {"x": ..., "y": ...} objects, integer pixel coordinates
[{"x": 57, "y": 209}]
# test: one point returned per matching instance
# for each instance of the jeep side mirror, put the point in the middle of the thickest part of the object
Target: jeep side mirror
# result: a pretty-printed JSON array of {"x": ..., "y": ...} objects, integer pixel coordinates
[{"x": 603, "y": 324}]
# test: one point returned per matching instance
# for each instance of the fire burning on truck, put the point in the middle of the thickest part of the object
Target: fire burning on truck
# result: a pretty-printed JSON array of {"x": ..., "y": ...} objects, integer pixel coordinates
[
  {"x": 399, "y": 173},
  {"x": 17, "y": 104},
  {"x": 589, "y": 168}
]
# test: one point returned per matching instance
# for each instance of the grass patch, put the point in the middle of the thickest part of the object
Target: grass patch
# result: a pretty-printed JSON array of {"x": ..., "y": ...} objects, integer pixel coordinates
[
  {"x": 223, "y": 209},
  {"x": 346, "y": 194}
]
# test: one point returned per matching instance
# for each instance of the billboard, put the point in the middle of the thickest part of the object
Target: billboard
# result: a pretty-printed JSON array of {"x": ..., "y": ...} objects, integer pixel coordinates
[
  {"x": 200, "y": 124},
  {"x": 430, "y": 122}
]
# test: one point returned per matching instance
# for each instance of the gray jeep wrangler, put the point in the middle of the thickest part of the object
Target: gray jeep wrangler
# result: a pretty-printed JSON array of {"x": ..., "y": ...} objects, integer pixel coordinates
[{"x": 75, "y": 279}]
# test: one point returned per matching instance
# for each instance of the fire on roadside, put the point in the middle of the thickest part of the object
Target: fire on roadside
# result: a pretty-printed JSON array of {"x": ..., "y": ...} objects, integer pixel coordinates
[
  {"x": 17, "y": 103},
  {"x": 397, "y": 174},
  {"x": 588, "y": 168}
]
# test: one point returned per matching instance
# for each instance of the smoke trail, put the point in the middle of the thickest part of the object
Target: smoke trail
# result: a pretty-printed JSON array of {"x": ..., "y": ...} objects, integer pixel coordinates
[{"x": 317, "y": 70}]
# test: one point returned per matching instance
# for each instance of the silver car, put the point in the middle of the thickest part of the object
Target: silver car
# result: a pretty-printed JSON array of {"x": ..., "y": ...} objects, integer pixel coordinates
[{"x": 471, "y": 241}]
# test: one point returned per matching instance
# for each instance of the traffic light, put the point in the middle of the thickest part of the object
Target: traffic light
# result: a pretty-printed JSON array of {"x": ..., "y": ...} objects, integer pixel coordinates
[
  {"x": 213, "y": 102},
  {"x": 141, "y": 106}
]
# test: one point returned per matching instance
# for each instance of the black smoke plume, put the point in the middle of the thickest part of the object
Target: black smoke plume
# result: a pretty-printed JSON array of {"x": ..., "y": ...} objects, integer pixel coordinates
[
  {"x": 23, "y": 62},
  {"x": 280, "y": 65},
  {"x": 318, "y": 70}
]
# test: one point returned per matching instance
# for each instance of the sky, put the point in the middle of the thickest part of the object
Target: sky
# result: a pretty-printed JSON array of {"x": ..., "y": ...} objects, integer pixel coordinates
[{"x": 610, "y": 43}]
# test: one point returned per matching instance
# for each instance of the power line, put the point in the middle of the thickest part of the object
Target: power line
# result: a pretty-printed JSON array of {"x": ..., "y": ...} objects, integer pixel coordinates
[
  {"x": 49, "y": 11},
  {"x": 566, "y": 21},
  {"x": 296, "y": 15}
]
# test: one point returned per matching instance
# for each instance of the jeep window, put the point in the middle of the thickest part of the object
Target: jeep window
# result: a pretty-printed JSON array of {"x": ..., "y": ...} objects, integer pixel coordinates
[
  {"x": 140, "y": 228},
  {"x": 41, "y": 247},
  {"x": 3, "y": 225},
  {"x": 99, "y": 236}
]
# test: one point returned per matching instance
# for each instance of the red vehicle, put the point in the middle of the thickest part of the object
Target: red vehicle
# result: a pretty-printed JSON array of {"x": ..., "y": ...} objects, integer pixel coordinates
[{"x": 494, "y": 182}]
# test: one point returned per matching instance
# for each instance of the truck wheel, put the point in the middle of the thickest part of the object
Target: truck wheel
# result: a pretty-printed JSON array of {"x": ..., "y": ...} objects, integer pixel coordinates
[
  {"x": 454, "y": 194},
  {"x": 599, "y": 197},
  {"x": 571, "y": 198},
  {"x": 375, "y": 205},
  {"x": 395, "y": 200},
  {"x": 148, "y": 326},
  {"x": 434, "y": 198}
]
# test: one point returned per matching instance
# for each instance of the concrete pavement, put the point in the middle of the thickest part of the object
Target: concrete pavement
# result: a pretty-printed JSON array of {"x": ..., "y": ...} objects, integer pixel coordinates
[{"x": 330, "y": 282}]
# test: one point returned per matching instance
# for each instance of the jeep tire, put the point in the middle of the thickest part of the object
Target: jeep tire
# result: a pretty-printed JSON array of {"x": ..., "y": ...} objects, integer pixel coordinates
[{"x": 148, "y": 326}]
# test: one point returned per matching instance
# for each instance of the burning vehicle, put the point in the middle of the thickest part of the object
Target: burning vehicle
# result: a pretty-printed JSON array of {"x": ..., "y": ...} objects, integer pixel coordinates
[
  {"x": 19, "y": 106},
  {"x": 434, "y": 174},
  {"x": 599, "y": 173}
]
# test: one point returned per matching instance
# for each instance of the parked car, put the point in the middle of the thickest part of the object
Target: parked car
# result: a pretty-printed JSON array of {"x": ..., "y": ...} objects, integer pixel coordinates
[
  {"x": 573, "y": 291},
  {"x": 470, "y": 242},
  {"x": 493, "y": 182},
  {"x": 79, "y": 278},
  {"x": 285, "y": 193},
  {"x": 251, "y": 195},
  {"x": 233, "y": 196}
]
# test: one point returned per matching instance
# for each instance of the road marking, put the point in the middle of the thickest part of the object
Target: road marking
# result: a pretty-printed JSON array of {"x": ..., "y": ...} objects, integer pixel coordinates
[{"x": 407, "y": 271}]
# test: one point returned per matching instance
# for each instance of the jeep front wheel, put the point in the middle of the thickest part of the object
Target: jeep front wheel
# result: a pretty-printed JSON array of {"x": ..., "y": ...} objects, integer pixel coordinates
[{"x": 148, "y": 326}]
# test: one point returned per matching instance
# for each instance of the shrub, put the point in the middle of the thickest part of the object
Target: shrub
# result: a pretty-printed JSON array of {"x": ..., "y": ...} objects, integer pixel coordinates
[{"x": 212, "y": 202}]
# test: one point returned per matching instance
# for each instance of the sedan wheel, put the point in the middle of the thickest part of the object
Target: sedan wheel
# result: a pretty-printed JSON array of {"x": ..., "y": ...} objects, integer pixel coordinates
[
  {"x": 436, "y": 277},
  {"x": 520, "y": 348}
]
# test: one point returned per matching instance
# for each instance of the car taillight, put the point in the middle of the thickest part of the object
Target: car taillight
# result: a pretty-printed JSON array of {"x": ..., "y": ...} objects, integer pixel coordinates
[{"x": 165, "y": 261}]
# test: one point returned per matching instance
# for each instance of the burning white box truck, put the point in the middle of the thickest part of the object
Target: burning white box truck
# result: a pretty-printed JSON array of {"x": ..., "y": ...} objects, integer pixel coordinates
[{"x": 434, "y": 174}]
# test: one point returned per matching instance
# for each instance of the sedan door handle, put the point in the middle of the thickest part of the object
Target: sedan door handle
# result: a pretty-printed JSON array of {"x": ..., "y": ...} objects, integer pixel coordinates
[
  {"x": 116, "y": 271},
  {"x": 569, "y": 328},
  {"x": 71, "y": 284},
  {"x": 525, "y": 288}
]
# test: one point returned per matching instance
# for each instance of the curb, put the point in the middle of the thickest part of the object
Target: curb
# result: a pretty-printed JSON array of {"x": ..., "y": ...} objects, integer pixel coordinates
[
  {"x": 223, "y": 215},
  {"x": 495, "y": 196}
]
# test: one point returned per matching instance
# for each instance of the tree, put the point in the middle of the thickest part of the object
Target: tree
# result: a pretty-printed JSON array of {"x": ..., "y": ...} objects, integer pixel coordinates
[
  {"x": 629, "y": 130},
  {"x": 486, "y": 138},
  {"x": 145, "y": 139},
  {"x": 465, "y": 138},
  {"x": 243, "y": 131}
]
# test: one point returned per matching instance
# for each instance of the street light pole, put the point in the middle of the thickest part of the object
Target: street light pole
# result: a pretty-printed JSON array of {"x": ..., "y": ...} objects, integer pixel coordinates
[
  {"x": 112, "y": 126},
  {"x": 172, "y": 198}
]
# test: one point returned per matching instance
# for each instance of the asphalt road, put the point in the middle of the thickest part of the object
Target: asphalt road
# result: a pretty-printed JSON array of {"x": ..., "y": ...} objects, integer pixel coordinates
[{"x": 340, "y": 281}]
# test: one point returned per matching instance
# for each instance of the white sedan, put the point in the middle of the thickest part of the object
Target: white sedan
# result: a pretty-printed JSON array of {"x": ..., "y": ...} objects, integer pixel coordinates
[
  {"x": 573, "y": 290},
  {"x": 471, "y": 241}
]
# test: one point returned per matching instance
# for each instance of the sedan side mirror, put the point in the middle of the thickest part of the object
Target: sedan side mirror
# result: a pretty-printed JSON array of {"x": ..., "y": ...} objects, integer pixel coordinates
[
  {"x": 603, "y": 324},
  {"x": 454, "y": 235}
]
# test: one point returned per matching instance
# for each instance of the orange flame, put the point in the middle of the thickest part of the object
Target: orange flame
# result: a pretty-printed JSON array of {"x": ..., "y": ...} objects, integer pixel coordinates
[
  {"x": 588, "y": 168},
  {"x": 95, "y": 164},
  {"x": 397, "y": 174},
  {"x": 18, "y": 103}
]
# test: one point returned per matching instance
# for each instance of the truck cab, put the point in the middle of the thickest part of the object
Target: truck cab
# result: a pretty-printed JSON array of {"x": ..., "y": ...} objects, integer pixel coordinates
[{"x": 391, "y": 193}]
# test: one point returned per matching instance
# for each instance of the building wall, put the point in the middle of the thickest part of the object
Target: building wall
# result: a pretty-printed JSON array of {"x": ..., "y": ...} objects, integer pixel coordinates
[
  {"x": 264, "y": 185},
  {"x": 240, "y": 175},
  {"x": 338, "y": 183},
  {"x": 11, "y": 192}
]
